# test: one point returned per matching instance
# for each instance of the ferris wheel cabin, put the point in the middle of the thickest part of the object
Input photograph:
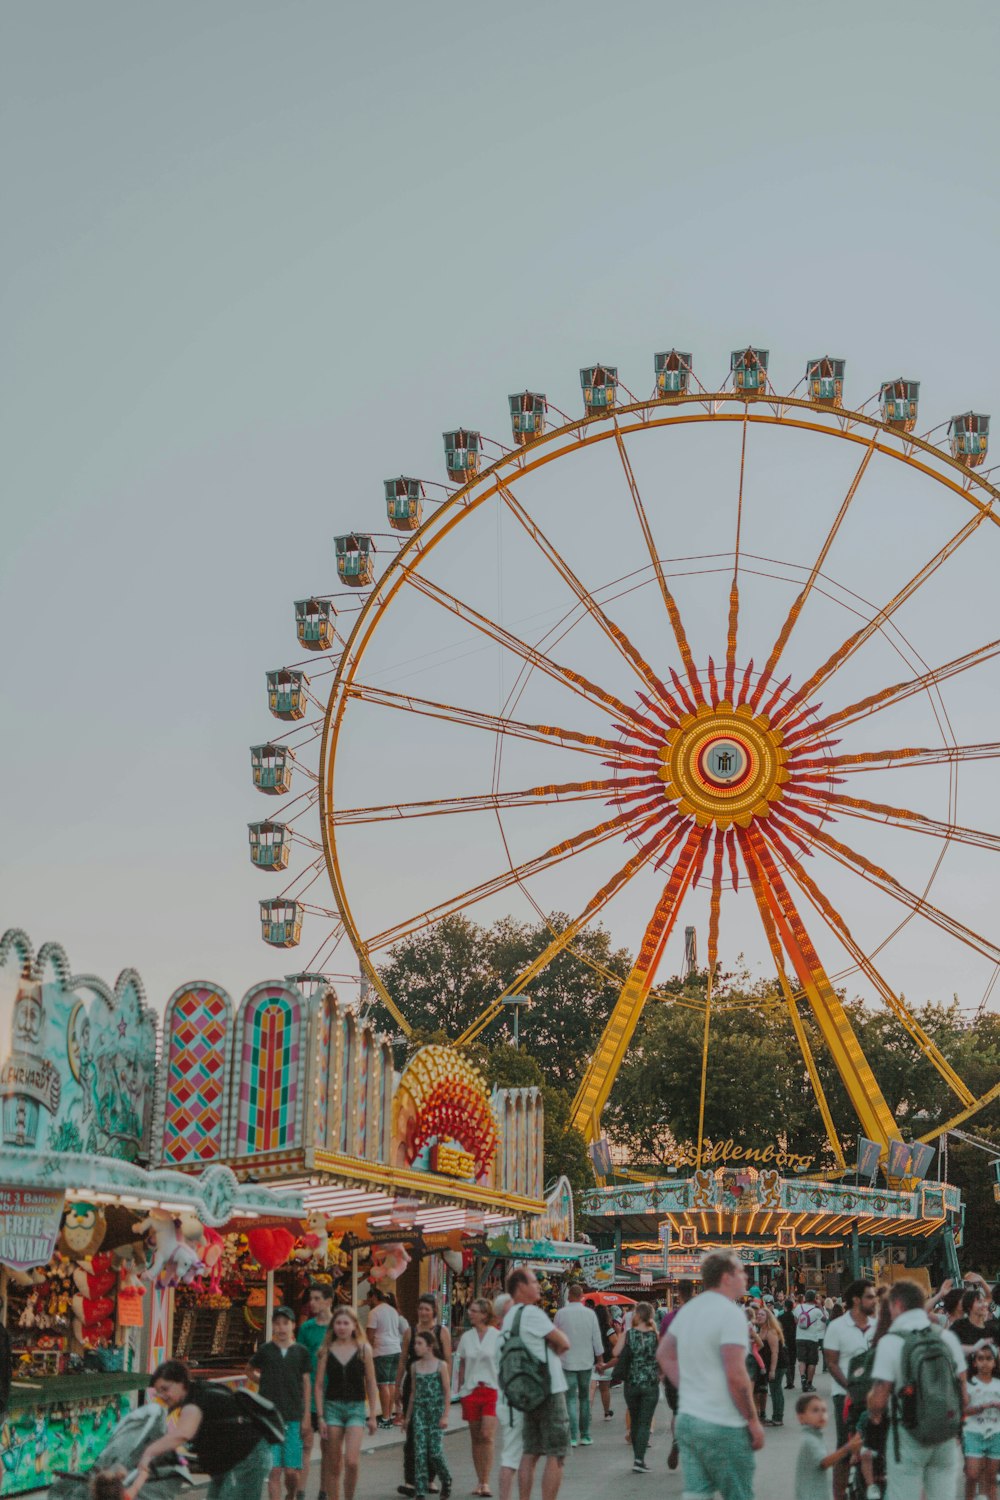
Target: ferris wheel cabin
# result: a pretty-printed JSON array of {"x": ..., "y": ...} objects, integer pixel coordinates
[
  {"x": 898, "y": 400},
  {"x": 269, "y": 845},
  {"x": 404, "y": 503},
  {"x": 969, "y": 436},
  {"x": 314, "y": 624},
  {"x": 527, "y": 415},
  {"x": 462, "y": 454},
  {"x": 673, "y": 372},
  {"x": 280, "y": 922},
  {"x": 272, "y": 773},
  {"x": 749, "y": 369},
  {"x": 825, "y": 379},
  {"x": 286, "y": 693},
  {"x": 600, "y": 388},
  {"x": 355, "y": 559}
]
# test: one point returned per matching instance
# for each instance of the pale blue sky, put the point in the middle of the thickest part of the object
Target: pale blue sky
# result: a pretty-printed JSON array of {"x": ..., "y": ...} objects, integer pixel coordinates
[{"x": 256, "y": 257}]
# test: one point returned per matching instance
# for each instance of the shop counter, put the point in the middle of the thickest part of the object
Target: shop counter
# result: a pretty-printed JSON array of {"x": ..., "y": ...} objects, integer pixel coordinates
[{"x": 60, "y": 1422}]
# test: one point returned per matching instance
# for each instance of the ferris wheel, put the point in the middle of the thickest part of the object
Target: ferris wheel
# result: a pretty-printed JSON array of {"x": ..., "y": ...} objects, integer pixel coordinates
[{"x": 724, "y": 617}]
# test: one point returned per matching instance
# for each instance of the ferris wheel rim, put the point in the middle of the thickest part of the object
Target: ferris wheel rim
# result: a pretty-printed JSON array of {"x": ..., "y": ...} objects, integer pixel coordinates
[{"x": 576, "y": 435}]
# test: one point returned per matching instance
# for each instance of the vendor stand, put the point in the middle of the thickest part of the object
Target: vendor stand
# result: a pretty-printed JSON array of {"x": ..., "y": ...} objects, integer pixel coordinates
[{"x": 90, "y": 1240}]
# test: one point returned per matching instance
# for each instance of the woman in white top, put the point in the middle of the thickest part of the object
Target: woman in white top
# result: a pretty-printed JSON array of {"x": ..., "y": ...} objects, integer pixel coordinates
[{"x": 478, "y": 1352}]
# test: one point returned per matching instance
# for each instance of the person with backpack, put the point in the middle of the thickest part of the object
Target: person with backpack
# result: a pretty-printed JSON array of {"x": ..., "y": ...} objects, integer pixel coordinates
[
  {"x": 230, "y": 1432},
  {"x": 534, "y": 1383},
  {"x": 918, "y": 1384},
  {"x": 809, "y": 1322},
  {"x": 845, "y": 1337}
]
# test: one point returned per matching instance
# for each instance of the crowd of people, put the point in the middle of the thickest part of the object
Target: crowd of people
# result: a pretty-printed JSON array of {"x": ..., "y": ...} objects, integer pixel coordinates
[{"x": 915, "y": 1383}]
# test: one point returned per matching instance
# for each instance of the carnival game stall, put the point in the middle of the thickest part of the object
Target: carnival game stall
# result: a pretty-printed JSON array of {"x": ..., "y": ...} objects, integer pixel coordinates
[
  {"x": 402, "y": 1176},
  {"x": 90, "y": 1238}
]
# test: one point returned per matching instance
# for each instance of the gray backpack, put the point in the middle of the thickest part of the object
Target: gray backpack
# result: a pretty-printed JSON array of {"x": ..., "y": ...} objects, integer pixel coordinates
[
  {"x": 524, "y": 1379},
  {"x": 928, "y": 1398}
]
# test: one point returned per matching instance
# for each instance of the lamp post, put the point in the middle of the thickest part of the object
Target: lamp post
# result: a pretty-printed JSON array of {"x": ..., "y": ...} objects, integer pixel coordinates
[{"x": 516, "y": 1001}]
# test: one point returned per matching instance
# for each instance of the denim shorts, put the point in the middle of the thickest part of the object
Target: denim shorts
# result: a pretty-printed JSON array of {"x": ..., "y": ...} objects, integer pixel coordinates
[
  {"x": 975, "y": 1445},
  {"x": 288, "y": 1455},
  {"x": 344, "y": 1413}
]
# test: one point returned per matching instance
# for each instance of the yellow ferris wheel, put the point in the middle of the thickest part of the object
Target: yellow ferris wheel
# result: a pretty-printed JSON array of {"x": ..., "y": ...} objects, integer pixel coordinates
[{"x": 743, "y": 606}]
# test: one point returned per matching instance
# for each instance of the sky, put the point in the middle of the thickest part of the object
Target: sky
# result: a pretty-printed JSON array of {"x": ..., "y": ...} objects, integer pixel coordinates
[{"x": 257, "y": 257}]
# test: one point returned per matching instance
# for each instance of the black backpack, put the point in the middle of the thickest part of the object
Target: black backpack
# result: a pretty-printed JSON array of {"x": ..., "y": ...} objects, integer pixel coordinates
[
  {"x": 859, "y": 1382},
  {"x": 524, "y": 1379}
]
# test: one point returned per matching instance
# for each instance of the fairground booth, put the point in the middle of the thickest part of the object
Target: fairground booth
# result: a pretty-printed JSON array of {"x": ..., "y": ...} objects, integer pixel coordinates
[{"x": 91, "y": 1236}]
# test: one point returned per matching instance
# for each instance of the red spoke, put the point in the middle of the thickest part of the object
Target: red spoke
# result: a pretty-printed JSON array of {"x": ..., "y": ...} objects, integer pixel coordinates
[
  {"x": 534, "y": 796},
  {"x": 885, "y": 760},
  {"x": 895, "y": 817}
]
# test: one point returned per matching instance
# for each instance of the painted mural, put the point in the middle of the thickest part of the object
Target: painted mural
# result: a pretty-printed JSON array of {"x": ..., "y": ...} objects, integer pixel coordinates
[{"x": 77, "y": 1074}]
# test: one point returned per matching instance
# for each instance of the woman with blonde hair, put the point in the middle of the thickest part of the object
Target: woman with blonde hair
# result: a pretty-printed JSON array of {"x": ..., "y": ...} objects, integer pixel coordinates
[
  {"x": 345, "y": 1375},
  {"x": 775, "y": 1358},
  {"x": 478, "y": 1384}
]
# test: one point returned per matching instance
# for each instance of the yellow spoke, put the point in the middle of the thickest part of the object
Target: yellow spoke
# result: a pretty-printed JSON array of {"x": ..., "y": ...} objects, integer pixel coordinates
[
  {"x": 588, "y": 744},
  {"x": 839, "y": 928},
  {"x": 889, "y": 696},
  {"x": 563, "y": 939},
  {"x": 883, "y": 881},
  {"x": 595, "y": 1087},
  {"x": 566, "y": 849},
  {"x": 896, "y": 817},
  {"x": 613, "y": 632},
  {"x": 791, "y": 1003},
  {"x": 799, "y": 602},
  {"x": 575, "y": 681},
  {"x": 673, "y": 613},
  {"x": 534, "y": 796},
  {"x": 860, "y": 636},
  {"x": 885, "y": 760}
]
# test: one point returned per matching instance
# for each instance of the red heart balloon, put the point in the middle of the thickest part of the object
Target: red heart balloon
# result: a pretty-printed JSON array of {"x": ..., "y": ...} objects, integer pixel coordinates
[{"x": 270, "y": 1248}]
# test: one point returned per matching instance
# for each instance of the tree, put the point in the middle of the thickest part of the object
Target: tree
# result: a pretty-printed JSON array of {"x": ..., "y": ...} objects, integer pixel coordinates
[
  {"x": 566, "y": 1153},
  {"x": 444, "y": 978}
]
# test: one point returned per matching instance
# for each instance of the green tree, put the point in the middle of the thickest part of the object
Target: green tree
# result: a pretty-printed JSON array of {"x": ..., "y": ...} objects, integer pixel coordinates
[
  {"x": 566, "y": 1153},
  {"x": 444, "y": 978}
]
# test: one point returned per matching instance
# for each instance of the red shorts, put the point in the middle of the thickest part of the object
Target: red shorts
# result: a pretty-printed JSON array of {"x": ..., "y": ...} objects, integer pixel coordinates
[{"x": 482, "y": 1402}]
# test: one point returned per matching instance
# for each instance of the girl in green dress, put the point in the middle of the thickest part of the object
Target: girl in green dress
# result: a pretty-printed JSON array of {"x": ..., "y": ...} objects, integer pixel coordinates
[{"x": 427, "y": 1414}]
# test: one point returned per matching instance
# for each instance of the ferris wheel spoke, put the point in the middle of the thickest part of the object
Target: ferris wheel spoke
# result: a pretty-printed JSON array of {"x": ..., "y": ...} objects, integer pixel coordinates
[
  {"x": 575, "y": 681},
  {"x": 799, "y": 603},
  {"x": 673, "y": 613},
  {"x": 544, "y": 734},
  {"x": 595, "y": 1087},
  {"x": 734, "y": 588},
  {"x": 562, "y": 940},
  {"x": 534, "y": 796},
  {"x": 566, "y": 849},
  {"x": 859, "y": 1080},
  {"x": 818, "y": 800},
  {"x": 890, "y": 696},
  {"x": 614, "y": 633},
  {"x": 857, "y": 640},
  {"x": 887, "y": 760},
  {"x": 792, "y": 1005},
  {"x": 892, "y": 1001},
  {"x": 882, "y": 880}
]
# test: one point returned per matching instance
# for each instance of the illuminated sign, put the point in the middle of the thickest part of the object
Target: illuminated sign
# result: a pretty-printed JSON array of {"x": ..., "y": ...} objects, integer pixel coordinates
[
  {"x": 786, "y": 1238},
  {"x": 452, "y": 1161},
  {"x": 723, "y": 1152}
]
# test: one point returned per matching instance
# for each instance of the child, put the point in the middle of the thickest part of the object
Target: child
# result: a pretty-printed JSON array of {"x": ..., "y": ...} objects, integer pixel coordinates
[
  {"x": 981, "y": 1434},
  {"x": 810, "y": 1480},
  {"x": 427, "y": 1413},
  {"x": 284, "y": 1369}
]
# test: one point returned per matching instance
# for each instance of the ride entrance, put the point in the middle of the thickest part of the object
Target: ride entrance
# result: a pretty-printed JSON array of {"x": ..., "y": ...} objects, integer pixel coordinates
[{"x": 754, "y": 629}]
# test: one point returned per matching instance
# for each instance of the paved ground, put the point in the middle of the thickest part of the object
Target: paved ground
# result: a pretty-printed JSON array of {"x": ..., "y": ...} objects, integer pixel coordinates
[{"x": 590, "y": 1472}]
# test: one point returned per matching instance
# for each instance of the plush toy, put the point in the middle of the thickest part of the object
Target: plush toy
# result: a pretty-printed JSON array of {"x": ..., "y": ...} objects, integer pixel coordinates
[
  {"x": 211, "y": 1258},
  {"x": 93, "y": 1321},
  {"x": 83, "y": 1230},
  {"x": 270, "y": 1248},
  {"x": 313, "y": 1246},
  {"x": 172, "y": 1258},
  {"x": 388, "y": 1262}
]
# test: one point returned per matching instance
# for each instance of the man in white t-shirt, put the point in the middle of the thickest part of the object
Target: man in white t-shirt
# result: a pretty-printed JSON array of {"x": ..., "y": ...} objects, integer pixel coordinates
[
  {"x": 545, "y": 1432},
  {"x": 579, "y": 1323},
  {"x": 913, "y": 1469},
  {"x": 844, "y": 1338},
  {"x": 809, "y": 1326},
  {"x": 383, "y": 1333},
  {"x": 704, "y": 1353}
]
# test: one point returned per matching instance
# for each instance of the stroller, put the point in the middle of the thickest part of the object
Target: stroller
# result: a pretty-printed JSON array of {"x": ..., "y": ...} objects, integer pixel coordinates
[{"x": 124, "y": 1448}]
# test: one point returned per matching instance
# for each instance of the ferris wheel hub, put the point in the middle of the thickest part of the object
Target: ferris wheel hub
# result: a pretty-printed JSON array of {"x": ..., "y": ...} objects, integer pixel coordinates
[{"x": 724, "y": 765}]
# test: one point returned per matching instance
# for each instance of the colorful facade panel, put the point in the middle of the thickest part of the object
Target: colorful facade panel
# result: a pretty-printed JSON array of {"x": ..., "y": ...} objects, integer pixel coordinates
[
  {"x": 268, "y": 1083},
  {"x": 198, "y": 1026}
]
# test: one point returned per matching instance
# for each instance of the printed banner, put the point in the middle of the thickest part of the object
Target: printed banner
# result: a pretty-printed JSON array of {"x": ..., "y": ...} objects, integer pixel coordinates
[
  {"x": 868, "y": 1154},
  {"x": 29, "y": 1226},
  {"x": 920, "y": 1159},
  {"x": 899, "y": 1159}
]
